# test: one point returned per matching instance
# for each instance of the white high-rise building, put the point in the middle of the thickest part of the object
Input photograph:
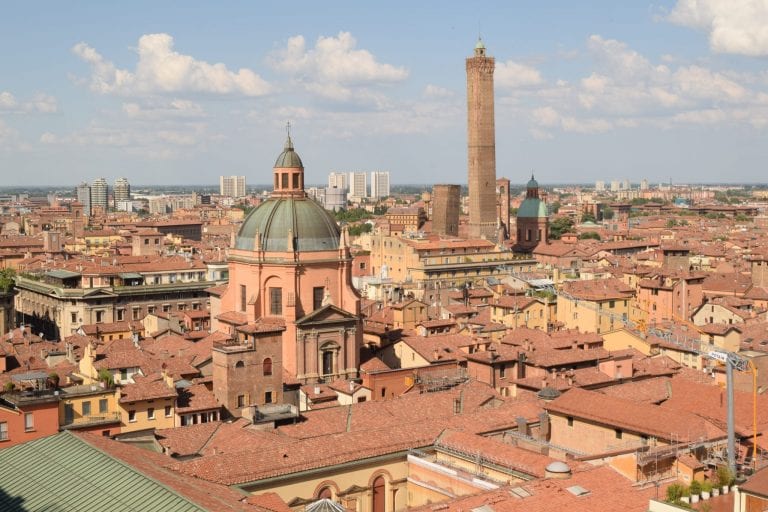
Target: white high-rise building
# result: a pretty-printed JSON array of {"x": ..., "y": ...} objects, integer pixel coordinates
[
  {"x": 122, "y": 190},
  {"x": 337, "y": 180},
  {"x": 644, "y": 184},
  {"x": 84, "y": 197},
  {"x": 599, "y": 186},
  {"x": 99, "y": 194},
  {"x": 615, "y": 186},
  {"x": 379, "y": 184},
  {"x": 358, "y": 185},
  {"x": 232, "y": 186}
]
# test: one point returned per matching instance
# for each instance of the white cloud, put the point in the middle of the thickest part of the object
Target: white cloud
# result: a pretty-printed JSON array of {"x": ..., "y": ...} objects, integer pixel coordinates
[
  {"x": 160, "y": 69},
  {"x": 512, "y": 74},
  {"x": 335, "y": 60},
  {"x": 625, "y": 89},
  {"x": 546, "y": 116},
  {"x": 336, "y": 69},
  {"x": 7, "y": 100},
  {"x": 733, "y": 26},
  {"x": 154, "y": 110},
  {"x": 42, "y": 103},
  {"x": 435, "y": 91}
]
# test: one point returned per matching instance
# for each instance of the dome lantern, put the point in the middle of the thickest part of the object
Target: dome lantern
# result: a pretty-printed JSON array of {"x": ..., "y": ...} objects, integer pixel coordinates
[{"x": 288, "y": 171}]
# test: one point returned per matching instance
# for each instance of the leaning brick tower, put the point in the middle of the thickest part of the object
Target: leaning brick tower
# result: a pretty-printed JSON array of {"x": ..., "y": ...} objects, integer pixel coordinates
[{"x": 481, "y": 145}]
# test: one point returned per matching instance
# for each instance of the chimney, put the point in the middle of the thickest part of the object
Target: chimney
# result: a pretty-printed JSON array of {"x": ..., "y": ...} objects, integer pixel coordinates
[
  {"x": 522, "y": 426},
  {"x": 543, "y": 426},
  {"x": 351, "y": 385},
  {"x": 316, "y": 390}
]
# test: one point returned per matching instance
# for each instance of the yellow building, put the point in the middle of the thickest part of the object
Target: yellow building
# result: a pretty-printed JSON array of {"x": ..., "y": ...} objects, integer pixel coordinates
[
  {"x": 598, "y": 306},
  {"x": 522, "y": 311},
  {"x": 148, "y": 403},
  {"x": 427, "y": 263},
  {"x": 90, "y": 407}
]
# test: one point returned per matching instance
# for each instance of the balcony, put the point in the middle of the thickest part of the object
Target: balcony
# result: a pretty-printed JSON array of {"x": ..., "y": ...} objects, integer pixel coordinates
[{"x": 90, "y": 420}]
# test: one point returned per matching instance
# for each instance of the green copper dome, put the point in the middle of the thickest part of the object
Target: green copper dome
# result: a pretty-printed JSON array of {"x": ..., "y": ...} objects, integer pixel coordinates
[
  {"x": 532, "y": 208},
  {"x": 480, "y": 45},
  {"x": 313, "y": 228},
  {"x": 532, "y": 183},
  {"x": 289, "y": 157}
]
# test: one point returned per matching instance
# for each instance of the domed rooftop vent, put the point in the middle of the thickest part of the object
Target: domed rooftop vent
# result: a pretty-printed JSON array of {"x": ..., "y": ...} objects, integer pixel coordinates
[
  {"x": 548, "y": 393},
  {"x": 558, "y": 469}
]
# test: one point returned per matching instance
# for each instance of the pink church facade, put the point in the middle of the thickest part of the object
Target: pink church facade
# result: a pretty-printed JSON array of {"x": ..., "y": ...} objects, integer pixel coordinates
[{"x": 291, "y": 265}]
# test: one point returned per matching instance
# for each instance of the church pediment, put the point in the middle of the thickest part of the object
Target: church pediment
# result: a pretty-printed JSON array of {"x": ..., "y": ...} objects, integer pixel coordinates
[{"x": 326, "y": 314}]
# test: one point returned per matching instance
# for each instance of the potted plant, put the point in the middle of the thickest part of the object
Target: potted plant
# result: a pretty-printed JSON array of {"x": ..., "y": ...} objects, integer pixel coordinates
[
  {"x": 686, "y": 497},
  {"x": 53, "y": 380},
  {"x": 706, "y": 490},
  {"x": 105, "y": 378},
  {"x": 675, "y": 492},
  {"x": 9, "y": 387},
  {"x": 725, "y": 478},
  {"x": 695, "y": 490}
]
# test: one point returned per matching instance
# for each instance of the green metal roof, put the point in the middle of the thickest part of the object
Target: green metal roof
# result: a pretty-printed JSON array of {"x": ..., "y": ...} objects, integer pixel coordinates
[
  {"x": 532, "y": 208},
  {"x": 62, "y": 274},
  {"x": 63, "y": 472},
  {"x": 130, "y": 275},
  {"x": 314, "y": 229}
]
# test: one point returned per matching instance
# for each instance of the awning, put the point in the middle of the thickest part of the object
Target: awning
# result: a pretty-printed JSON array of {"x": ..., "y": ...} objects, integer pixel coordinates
[{"x": 130, "y": 275}]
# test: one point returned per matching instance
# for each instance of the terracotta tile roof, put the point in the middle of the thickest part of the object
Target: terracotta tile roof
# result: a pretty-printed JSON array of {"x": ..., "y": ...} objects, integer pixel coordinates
[
  {"x": 439, "y": 347},
  {"x": 648, "y": 391},
  {"x": 195, "y": 398},
  {"x": 233, "y": 317},
  {"x": 146, "y": 388},
  {"x": 255, "y": 463},
  {"x": 374, "y": 364},
  {"x": 709, "y": 402},
  {"x": 606, "y": 490},
  {"x": 269, "y": 502},
  {"x": 495, "y": 451},
  {"x": 633, "y": 416},
  {"x": 598, "y": 289},
  {"x": 186, "y": 441}
]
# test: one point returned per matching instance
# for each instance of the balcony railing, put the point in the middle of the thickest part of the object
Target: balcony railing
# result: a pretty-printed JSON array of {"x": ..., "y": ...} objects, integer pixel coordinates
[{"x": 91, "y": 419}]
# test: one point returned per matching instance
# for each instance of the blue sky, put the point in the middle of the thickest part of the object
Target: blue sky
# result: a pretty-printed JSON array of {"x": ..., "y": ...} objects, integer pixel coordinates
[{"x": 182, "y": 92}]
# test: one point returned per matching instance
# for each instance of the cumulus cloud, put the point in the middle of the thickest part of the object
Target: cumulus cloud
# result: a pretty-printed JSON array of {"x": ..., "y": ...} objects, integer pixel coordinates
[
  {"x": 739, "y": 27},
  {"x": 512, "y": 74},
  {"x": 335, "y": 68},
  {"x": 625, "y": 89},
  {"x": 161, "y": 69},
  {"x": 334, "y": 59}
]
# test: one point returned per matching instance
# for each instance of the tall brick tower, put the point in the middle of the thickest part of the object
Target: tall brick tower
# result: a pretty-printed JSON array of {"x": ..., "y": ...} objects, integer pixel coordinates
[{"x": 481, "y": 145}]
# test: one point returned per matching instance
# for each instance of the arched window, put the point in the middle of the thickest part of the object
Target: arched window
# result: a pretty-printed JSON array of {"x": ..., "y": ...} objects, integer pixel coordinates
[
  {"x": 239, "y": 364},
  {"x": 378, "y": 497},
  {"x": 267, "y": 366},
  {"x": 325, "y": 493}
]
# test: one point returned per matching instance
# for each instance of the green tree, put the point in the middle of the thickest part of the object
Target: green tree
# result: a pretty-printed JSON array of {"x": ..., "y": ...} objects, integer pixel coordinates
[
  {"x": 359, "y": 229},
  {"x": 587, "y": 217},
  {"x": 608, "y": 213},
  {"x": 555, "y": 207},
  {"x": 589, "y": 235},
  {"x": 671, "y": 223},
  {"x": 559, "y": 226},
  {"x": 7, "y": 276}
]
